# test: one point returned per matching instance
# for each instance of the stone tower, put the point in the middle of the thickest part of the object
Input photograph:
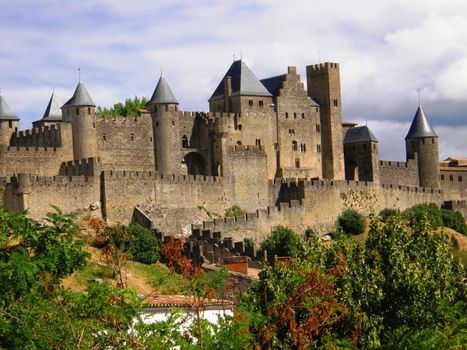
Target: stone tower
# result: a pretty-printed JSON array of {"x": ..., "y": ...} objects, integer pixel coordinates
[
  {"x": 52, "y": 114},
  {"x": 361, "y": 154},
  {"x": 165, "y": 121},
  {"x": 421, "y": 144},
  {"x": 323, "y": 83},
  {"x": 9, "y": 122},
  {"x": 80, "y": 111}
]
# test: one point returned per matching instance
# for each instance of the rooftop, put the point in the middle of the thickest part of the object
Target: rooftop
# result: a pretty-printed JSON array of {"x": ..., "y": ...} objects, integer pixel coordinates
[
  {"x": 80, "y": 97},
  {"x": 420, "y": 126},
  {"x": 162, "y": 93},
  {"x": 359, "y": 134},
  {"x": 5, "y": 110}
]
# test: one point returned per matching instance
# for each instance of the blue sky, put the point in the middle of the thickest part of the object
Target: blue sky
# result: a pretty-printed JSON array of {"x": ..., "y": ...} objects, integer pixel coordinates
[{"x": 387, "y": 49}]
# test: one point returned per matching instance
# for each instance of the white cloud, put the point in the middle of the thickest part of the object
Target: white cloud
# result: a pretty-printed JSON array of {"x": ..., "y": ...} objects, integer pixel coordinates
[{"x": 387, "y": 49}]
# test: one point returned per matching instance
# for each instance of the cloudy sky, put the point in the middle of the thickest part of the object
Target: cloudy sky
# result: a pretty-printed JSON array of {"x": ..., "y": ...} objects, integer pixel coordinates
[{"x": 388, "y": 50}]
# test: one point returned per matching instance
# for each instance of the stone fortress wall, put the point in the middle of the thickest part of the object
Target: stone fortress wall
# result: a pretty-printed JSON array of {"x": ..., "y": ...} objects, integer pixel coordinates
[{"x": 280, "y": 157}]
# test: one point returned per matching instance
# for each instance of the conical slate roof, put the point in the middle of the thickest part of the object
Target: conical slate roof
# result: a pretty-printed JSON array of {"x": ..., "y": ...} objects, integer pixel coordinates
[
  {"x": 420, "y": 126},
  {"x": 244, "y": 82},
  {"x": 80, "y": 97},
  {"x": 162, "y": 93},
  {"x": 359, "y": 134},
  {"x": 53, "y": 112},
  {"x": 5, "y": 111}
]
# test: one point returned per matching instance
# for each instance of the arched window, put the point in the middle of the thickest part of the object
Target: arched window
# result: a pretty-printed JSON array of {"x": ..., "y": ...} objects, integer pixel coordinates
[
  {"x": 294, "y": 145},
  {"x": 184, "y": 141}
]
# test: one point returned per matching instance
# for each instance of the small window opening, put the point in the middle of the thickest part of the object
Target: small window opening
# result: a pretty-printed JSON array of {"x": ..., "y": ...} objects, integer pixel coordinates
[
  {"x": 150, "y": 139},
  {"x": 303, "y": 115},
  {"x": 335, "y": 103},
  {"x": 459, "y": 178},
  {"x": 173, "y": 122},
  {"x": 258, "y": 142},
  {"x": 297, "y": 163},
  {"x": 294, "y": 145},
  {"x": 318, "y": 148},
  {"x": 10, "y": 124},
  {"x": 157, "y": 124},
  {"x": 295, "y": 115},
  {"x": 94, "y": 125},
  {"x": 433, "y": 141},
  {"x": 318, "y": 128},
  {"x": 239, "y": 143},
  {"x": 442, "y": 177},
  {"x": 250, "y": 103},
  {"x": 77, "y": 111},
  {"x": 260, "y": 103},
  {"x": 240, "y": 127},
  {"x": 286, "y": 114},
  {"x": 104, "y": 137},
  {"x": 184, "y": 141},
  {"x": 89, "y": 110},
  {"x": 451, "y": 178},
  {"x": 132, "y": 137}
]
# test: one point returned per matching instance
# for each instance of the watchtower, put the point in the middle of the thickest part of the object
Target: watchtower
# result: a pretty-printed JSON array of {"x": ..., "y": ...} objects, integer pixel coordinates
[
  {"x": 323, "y": 84},
  {"x": 422, "y": 145},
  {"x": 165, "y": 121},
  {"x": 80, "y": 111},
  {"x": 9, "y": 122}
]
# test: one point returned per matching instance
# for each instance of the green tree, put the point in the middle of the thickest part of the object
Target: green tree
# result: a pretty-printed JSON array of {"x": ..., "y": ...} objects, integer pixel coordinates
[
  {"x": 351, "y": 222},
  {"x": 130, "y": 108},
  {"x": 283, "y": 242},
  {"x": 234, "y": 211}
]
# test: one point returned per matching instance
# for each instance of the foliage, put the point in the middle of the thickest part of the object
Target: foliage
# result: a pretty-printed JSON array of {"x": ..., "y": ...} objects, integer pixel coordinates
[
  {"x": 234, "y": 211},
  {"x": 454, "y": 220},
  {"x": 351, "y": 222},
  {"x": 249, "y": 243},
  {"x": 283, "y": 242},
  {"x": 139, "y": 243},
  {"x": 159, "y": 277},
  {"x": 129, "y": 109},
  {"x": 386, "y": 213}
]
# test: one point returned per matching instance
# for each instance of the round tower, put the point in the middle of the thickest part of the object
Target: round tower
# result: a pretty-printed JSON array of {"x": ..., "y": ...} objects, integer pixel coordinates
[
  {"x": 165, "y": 120},
  {"x": 9, "y": 122},
  {"x": 422, "y": 145},
  {"x": 80, "y": 111}
]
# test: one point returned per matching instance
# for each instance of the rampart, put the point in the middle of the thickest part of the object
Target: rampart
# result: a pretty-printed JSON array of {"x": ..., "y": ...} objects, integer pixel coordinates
[
  {"x": 460, "y": 206},
  {"x": 81, "y": 167},
  {"x": 32, "y": 160},
  {"x": 399, "y": 173},
  {"x": 126, "y": 143},
  {"x": 38, "y": 194},
  {"x": 453, "y": 181},
  {"x": 58, "y": 135}
]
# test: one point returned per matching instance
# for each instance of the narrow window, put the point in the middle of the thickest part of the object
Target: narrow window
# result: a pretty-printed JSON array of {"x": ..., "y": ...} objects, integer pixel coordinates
[
  {"x": 184, "y": 141},
  {"x": 451, "y": 178},
  {"x": 364, "y": 146},
  {"x": 286, "y": 114},
  {"x": 240, "y": 127},
  {"x": 104, "y": 137},
  {"x": 442, "y": 177},
  {"x": 318, "y": 148},
  {"x": 294, "y": 145},
  {"x": 89, "y": 110},
  {"x": 10, "y": 124},
  {"x": 297, "y": 163},
  {"x": 77, "y": 111},
  {"x": 150, "y": 139},
  {"x": 157, "y": 124},
  {"x": 173, "y": 122},
  {"x": 335, "y": 103},
  {"x": 423, "y": 141},
  {"x": 318, "y": 128},
  {"x": 132, "y": 137},
  {"x": 317, "y": 109},
  {"x": 94, "y": 125},
  {"x": 258, "y": 142},
  {"x": 261, "y": 104},
  {"x": 304, "y": 147},
  {"x": 250, "y": 103},
  {"x": 433, "y": 141},
  {"x": 303, "y": 115},
  {"x": 459, "y": 178},
  {"x": 295, "y": 115}
]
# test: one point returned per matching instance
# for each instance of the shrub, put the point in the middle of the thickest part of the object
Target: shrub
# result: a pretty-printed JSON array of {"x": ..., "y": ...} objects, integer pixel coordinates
[
  {"x": 454, "y": 220},
  {"x": 233, "y": 211},
  {"x": 249, "y": 243},
  {"x": 386, "y": 213},
  {"x": 426, "y": 211},
  {"x": 351, "y": 222},
  {"x": 283, "y": 242}
]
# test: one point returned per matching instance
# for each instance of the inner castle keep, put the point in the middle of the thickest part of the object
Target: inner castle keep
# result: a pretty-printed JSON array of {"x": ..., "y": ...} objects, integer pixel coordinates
[{"x": 270, "y": 146}]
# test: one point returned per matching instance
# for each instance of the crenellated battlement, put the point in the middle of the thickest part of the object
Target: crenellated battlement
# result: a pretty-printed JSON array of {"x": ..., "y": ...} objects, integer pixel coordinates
[
  {"x": 28, "y": 150},
  {"x": 122, "y": 120},
  {"x": 323, "y": 66},
  {"x": 81, "y": 167},
  {"x": 410, "y": 164},
  {"x": 45, "y": 136},
  {"x": 27, "y": 181},
  {"x": 246, "y": 150},
  {"x": 164, "y": 178}
]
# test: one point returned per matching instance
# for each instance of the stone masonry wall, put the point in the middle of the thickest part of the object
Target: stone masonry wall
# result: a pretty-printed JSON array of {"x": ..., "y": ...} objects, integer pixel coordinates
[
  {"x": 454, "y": 183},
  {"x": 399, "y": 173}
]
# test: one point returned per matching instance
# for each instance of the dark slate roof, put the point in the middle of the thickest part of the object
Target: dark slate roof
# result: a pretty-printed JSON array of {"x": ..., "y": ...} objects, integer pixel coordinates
[
  {"x": 162, "y": 93},
  {"x": 244, "y": 82},
  {"x": 5, "y": 111},
  {"x": 273, "y": 85},
  {"x": 359, "y": 134},
  {"x": 80, "y": 97},
  {"x": 53, "y": 112},
  {"x": 420, "y": 126}
]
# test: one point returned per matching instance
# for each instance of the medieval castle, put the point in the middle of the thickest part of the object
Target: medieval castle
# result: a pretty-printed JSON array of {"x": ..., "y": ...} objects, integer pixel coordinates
[{"x": 281, "y": 152}]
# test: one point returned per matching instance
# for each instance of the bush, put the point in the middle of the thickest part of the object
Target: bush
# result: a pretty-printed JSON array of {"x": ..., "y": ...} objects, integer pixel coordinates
[
  {"x": 386, "y": 213},
  {"x": 351, "y": 222},
  {"x": 248, "y": 242},
  {"x": 454, "y": 220},
  {"x": 283, "y": 242},
  {"x": 233, "y": 211},
  {"x": 424, "y": 212}
]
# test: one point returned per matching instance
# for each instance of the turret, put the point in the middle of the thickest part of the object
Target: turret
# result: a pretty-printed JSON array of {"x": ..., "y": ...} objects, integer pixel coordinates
[
  {"x": 422, "y": 145},
  {"x": 165, "y": 119},
  {"x": 80, "y": 111},
  {"x": 361, "y": 154},
  {"x": 52, "y": 114},
  {"x": 323, "y": 83},
  {"x": 9, "y": 122}
]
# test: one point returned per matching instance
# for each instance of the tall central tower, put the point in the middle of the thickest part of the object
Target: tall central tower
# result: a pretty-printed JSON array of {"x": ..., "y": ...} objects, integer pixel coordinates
[{"x": 324, "y": 87}]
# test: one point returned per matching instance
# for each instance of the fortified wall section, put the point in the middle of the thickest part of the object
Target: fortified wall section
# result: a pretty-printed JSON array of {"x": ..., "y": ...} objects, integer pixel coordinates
[
  {"x": 38, "y": 194},
  {"x": 126, "y": 143},
  {"x": 32, "y": 160},
  {"x": 81, "y": 167},
  {"x": 58, "y": 135},
  {"x": 454, "y": 183},
  {"x": 399, "y": 173}
]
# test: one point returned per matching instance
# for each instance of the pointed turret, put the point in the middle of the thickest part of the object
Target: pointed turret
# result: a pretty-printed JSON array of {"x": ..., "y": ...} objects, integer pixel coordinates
[
  {"x": 53, "y": 111},
  {"x": 5, "y": 110},
  {"x": 80, "y": 111},
  {"x": 239, "y": 90},
  {"x": 80, "y": 98},
  {"x": 420, "y": 126},
  {"x": 421, "y": 144},
  {"x": 162, "y": 94}
]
